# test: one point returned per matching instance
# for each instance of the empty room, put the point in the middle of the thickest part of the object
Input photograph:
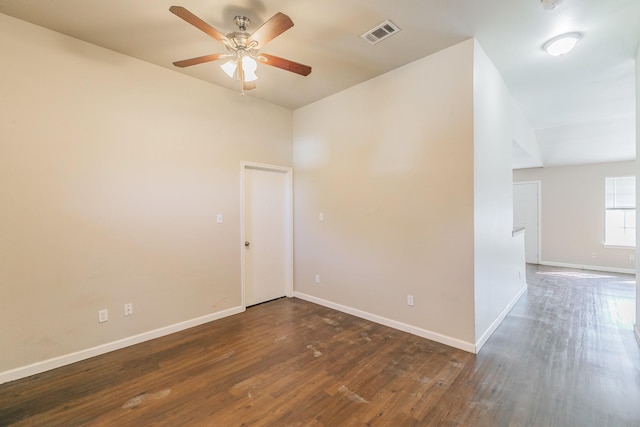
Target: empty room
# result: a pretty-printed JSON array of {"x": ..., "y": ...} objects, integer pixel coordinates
[{"x": 276, "y": 213}]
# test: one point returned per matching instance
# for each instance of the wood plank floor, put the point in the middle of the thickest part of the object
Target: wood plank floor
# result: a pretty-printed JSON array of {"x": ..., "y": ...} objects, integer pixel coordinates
[{"x": 565, "y": 356}]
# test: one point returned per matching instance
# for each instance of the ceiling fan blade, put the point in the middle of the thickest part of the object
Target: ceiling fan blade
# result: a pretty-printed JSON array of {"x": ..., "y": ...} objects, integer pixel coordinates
[
  {"x": 200, "y": 59},
  {"x": 276, "y": 25},
  {"x": 285, "y": 64},
  {"x": 192, "y": 19}
]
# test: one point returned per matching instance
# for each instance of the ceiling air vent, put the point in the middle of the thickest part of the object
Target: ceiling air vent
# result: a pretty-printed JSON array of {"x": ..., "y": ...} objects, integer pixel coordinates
[{"x": 380, "y": 32}]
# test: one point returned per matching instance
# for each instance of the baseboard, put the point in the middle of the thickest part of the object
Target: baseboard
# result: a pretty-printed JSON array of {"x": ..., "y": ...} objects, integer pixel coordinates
[
  {"x": 433, "y": 336},
  {"x": 482, "y": 341},
  {"x": 589, "y": 267},
  {"x": 57, "y": 362},
  {"x": 637, "y": 333}
]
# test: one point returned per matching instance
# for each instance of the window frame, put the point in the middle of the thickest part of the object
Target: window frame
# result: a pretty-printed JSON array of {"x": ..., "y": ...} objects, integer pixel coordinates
[{"x": 625, "y": 208}]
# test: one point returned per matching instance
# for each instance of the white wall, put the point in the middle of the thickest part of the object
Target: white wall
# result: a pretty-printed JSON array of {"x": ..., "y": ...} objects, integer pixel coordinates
[
  {"x": 525, "y": 148},
  {"x": 498, "y": 257},
  {"x": 112, "y": 171},
  {"x": 572, "y": 221},
  {"x": 637, "y": 265}
]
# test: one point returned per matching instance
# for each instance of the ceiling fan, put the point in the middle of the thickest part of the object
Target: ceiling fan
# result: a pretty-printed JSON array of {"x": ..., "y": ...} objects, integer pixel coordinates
[{"x": 243, "y": 48}]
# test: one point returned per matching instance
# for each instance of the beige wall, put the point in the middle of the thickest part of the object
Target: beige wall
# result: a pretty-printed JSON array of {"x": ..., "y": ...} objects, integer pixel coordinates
[
  {"x": 112, "y": 172},
  {"x": 572, "y": 220},
  {"x": 498, "y": 258},
  {"x": 390, "y": 164}
]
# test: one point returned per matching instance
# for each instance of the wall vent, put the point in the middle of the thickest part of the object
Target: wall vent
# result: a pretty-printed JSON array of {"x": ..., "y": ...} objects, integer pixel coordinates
[{"x": 380, "y": 32}]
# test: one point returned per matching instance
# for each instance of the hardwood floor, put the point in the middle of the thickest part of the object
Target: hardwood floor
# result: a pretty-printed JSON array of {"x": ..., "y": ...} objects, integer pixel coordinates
[{"x": 565, "y": 356}]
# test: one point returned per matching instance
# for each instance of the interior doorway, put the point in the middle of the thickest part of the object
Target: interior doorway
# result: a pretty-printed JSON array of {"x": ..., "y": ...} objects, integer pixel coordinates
[
  {"x": 267, "y": 233},
  {"x": 526, "y": 213}
]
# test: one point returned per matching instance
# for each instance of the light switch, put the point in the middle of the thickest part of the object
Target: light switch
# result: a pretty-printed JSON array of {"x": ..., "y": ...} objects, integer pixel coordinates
[
  {"x": 219, "y": 218},
  {"x": 321, "y": 216}
]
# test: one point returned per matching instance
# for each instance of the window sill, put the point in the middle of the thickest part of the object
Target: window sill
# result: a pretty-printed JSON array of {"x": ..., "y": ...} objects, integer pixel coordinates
[{"x": 618, "y": 247}]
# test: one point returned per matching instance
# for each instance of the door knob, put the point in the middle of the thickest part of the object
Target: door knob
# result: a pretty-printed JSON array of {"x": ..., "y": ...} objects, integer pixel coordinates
[{"x": 246, "y": 244}]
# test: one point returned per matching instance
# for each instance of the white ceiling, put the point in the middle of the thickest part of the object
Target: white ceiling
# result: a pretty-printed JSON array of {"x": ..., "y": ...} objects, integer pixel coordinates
[{"x": 582, "y": 105}]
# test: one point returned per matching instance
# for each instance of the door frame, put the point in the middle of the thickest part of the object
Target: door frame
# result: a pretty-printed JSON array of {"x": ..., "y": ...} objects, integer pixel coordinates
[
  {"x": 288, "y": 171},
  {"x": 539, "y": 194}
]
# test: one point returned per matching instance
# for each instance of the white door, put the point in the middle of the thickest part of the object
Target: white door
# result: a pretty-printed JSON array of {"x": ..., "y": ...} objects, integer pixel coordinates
[
  {"x": 526, "y": 212},
  {"x": 267, "y": 232}
]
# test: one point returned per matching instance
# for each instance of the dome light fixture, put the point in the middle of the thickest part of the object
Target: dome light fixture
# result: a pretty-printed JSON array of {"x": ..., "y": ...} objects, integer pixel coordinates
[
  {"x": 562, "y": 44},
  {"x": 550, "y": 4}
]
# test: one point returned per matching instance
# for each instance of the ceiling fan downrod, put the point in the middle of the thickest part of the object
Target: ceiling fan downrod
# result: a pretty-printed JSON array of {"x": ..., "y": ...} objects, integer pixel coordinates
[{"x": 242, "y": 22}]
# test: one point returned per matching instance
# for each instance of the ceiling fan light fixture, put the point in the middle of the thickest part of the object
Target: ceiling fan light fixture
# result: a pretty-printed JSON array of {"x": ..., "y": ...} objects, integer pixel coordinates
[
  {"x": 243, "y": 47},
  {"x": 249, "y": 66},
  {"x": 562, "y": 44},
  {"x": 229, "y": 67}
]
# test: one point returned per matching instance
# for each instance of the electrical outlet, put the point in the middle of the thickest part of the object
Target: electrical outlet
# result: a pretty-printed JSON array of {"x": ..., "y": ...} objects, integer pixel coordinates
[
  {"x": 219, "y": 218},
  {"x": 632, "y": 257},
  {"x": 321, "y": 216},
  {"x": 103, "y": 315},
  {"x": 317, "y": 278},
  {"x": 128, "y": 309},
  {"x": 410, "y": 300},
  {"x": 593, "y": 254}
]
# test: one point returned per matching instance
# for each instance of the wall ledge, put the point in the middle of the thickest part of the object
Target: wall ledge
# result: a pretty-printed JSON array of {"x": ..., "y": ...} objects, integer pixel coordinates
[
  {"x": 589, "y": 267},
  {"x": 517, "y": 231},
  {"x": 67, "y": 359},
  {"x": 430, "y": 335}
]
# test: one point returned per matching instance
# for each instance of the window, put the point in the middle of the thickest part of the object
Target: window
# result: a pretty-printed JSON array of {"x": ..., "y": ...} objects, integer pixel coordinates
[{"x": 620, "y": 211}]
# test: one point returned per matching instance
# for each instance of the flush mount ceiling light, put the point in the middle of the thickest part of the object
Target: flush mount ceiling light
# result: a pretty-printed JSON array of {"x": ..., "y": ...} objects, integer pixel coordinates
[
  {"x": 562, "y": 44},
  {"x": 550, "y": 4}
]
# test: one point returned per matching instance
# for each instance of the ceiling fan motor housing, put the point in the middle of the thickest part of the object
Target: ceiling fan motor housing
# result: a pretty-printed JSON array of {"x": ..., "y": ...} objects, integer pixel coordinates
[{"x": 239, "y": 38}]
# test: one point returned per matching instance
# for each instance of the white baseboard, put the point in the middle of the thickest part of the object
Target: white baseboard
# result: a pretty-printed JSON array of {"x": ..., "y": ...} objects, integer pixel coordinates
[
  {"x": 67, "y": 359},
  {"x": 433, "y": 336},
  {"x": 482, "y": 341},
  {"x": 637, "y": 333},
  {"x": 589, "y": 267}
]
